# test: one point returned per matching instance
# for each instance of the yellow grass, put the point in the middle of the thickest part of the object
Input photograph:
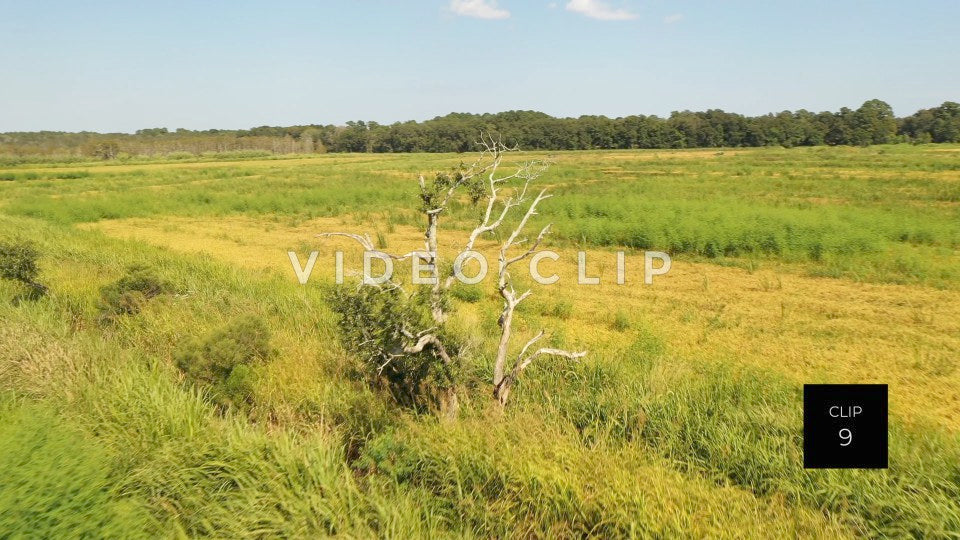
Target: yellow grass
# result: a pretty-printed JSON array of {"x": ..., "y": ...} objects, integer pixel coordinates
[{"x": 808, "y": 329}]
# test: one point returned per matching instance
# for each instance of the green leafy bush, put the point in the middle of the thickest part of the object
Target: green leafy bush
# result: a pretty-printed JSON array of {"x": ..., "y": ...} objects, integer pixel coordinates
[
  {"x": 130, "y": 293},
  {"x": 467, "y": 293},
  {"x": 376, "y": 324},
  {"x": 18, "y": 262},
  {"x": 224, "y": 362}
]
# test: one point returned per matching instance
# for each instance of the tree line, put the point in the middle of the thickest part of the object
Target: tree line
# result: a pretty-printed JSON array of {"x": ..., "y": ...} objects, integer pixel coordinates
[{"x": 871, "y": 123}]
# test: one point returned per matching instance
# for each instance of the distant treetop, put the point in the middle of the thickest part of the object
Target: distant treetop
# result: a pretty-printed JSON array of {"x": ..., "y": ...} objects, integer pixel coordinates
[{"x": 872, "y": 123}]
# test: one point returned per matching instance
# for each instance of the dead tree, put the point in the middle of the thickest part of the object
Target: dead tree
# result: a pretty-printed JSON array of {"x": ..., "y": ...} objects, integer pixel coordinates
[{"x": 502, "y": 194}]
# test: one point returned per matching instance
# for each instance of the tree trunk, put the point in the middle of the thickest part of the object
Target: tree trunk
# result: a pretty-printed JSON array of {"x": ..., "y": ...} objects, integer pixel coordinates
[
  {"x": 501, "y": 392},
  {"x": 436, "y": 303},
  {"x": 499, "y": 365}
]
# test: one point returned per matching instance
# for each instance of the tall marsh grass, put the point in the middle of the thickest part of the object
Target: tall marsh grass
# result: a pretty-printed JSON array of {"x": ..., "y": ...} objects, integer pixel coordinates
[{"x": 102, "y": 436}]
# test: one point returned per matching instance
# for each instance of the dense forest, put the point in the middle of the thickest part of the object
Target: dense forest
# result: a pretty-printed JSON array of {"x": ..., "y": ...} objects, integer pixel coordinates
[{"x": 871, "y": 123}]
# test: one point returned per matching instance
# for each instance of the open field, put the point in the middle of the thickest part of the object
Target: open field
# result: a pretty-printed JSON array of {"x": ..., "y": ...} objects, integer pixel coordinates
[{"x": 790, "y": 266}]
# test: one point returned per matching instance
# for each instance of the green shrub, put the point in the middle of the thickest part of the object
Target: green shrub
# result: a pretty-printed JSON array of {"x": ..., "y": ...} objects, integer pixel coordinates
[
  {"x": 561, "y": 310},
  {"x": 621, "y": 322},
  {"x": 130, "y": 293},
  {"x": 224, "y": 362},
  {"x": 467, "y": 293},
  {"x": 72, "y": 175},
  {"x": 376, "y": 324},
  {"x": 18, "y": 262}
]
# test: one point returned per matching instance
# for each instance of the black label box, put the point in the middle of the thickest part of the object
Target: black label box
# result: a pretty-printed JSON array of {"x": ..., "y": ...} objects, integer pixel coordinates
[{"x": 845, "y": 426}]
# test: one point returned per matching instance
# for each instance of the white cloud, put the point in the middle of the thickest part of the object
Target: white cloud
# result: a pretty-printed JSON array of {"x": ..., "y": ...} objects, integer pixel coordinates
[
  {"x": 675, "y": 18},
  {"x": 480, "y": 9},
  {"x": 598, "y": 9}
]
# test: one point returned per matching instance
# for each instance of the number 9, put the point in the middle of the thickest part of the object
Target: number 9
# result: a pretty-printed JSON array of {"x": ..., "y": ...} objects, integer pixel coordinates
[{"x": 847, "y": 436}]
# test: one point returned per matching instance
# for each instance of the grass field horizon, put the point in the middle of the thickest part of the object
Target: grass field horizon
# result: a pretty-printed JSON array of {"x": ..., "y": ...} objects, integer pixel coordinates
[{"x": 790, "y": 266}]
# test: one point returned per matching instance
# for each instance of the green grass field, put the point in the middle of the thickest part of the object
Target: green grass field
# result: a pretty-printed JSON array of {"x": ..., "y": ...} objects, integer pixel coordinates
[{"x": 791, "y": 266}]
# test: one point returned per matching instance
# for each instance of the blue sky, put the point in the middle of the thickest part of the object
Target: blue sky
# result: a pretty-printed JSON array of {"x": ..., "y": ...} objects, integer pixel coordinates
[{"x": 120, "y": 66}]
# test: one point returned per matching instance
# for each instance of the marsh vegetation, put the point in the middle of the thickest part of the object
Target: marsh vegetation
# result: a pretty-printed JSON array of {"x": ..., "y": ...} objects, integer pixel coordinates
[{"x": 177, "y": 379}]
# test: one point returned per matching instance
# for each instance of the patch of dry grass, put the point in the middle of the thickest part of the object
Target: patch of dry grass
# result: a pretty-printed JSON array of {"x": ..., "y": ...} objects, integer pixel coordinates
[{"x": 810, "y": 329}]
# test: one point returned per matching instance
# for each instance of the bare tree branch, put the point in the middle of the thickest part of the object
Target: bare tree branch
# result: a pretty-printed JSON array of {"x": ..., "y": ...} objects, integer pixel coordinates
[
  {"x": 433, "y": 341},
  {"x": 533, "y": 340},
  {"x": 502, "y": 192},
  {"x": 364, "y": 240},
  {"x": 501, "y": 390},
  {"x": 522, "y": 364},
  {"x": 531, "y": 211}
]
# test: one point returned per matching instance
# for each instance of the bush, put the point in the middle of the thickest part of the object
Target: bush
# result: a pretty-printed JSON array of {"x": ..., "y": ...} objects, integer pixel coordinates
[
  {"x": 130, "y": 293},
  {"x": 18, "y": 262},
  {"x": 224, "y": 362},
  {"x": 467, "y": 293},
  {"x": 375, "y": 323},
  {"x": 621, "y": 322},
  {"x": 561, "y": 310},
  {"x": 73, "y": 175}
]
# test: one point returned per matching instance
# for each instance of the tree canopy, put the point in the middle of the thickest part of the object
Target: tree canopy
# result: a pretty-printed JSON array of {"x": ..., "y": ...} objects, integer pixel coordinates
[{"x": 871, "y": 123}]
